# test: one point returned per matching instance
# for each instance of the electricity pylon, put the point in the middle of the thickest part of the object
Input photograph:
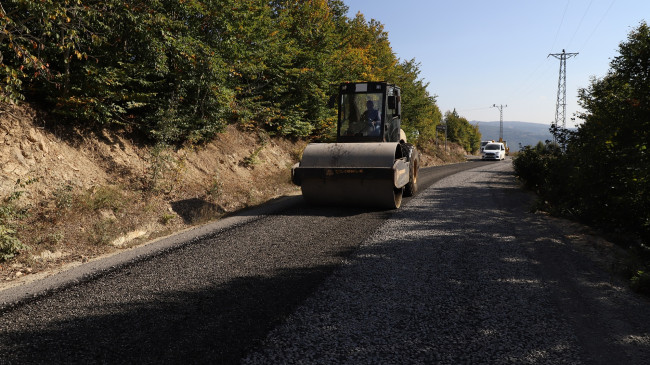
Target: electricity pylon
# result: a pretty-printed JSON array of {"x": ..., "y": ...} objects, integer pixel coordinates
[
  {"x": 560, "y": 106},
  {"x": 500, "y": 120}
]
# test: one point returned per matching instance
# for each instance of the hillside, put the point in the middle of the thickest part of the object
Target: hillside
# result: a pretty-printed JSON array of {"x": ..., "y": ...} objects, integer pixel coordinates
[
  {"x": 516, "y": 133},
  {"x": 74, "y": 195}
]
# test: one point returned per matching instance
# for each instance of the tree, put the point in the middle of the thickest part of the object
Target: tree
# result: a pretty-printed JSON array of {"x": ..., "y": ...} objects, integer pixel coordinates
[
  {"x": 420, "y": 114},
  {"x": 365, "y": 53},
  {"x": 602, "y": 176},
  {"x": 459, "y": 130},
  {"x": 310, "y": 32},
  {"x": 29, "y": 30},
  {"x": 611, "y": 147},
  {"x": 179, "y": 71}
]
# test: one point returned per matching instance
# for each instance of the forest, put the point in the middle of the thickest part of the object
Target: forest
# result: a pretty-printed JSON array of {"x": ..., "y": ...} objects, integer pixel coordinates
[{"x": 179, "y": 71}]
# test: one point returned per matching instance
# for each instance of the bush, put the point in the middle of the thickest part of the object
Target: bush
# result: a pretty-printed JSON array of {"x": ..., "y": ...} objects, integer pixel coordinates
[
  {"x": 587, "y": 181},
  {"x": 533, "y": 165},
  {"x": 10, "y": 245},
  {"x": 640, "y": 282},
  {"x": 104, "y": 197}
]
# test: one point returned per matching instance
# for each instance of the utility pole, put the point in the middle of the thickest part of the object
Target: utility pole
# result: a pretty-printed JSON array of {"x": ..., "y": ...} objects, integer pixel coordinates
[
  {"x": 560, "y": 106},
  {"x": 500, "y": 107}
]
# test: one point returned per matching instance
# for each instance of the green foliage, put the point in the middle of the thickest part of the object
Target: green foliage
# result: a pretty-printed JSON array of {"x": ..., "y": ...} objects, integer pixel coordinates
[
  {"x": 460, "y": 130},
  {"x": 602, "y": 173},
  {"x": 63, "y": 197},
  {"x": 10, "y": 212},
  {"x": 10, "y": 245},
  {"x": 165, "y": 169},
  {"x": 544, "y": 169},
  {"x": 641, "y": 282},
  {"x": 104, "y": 197},
  {"x": 420, "y": 113},
  {"x": 166, "y": 218},
  {"x": 253, "y": 158},
  {"x": 214, "y": 189},
  {"x": 611, "y": 148},
  {"x": 179, "y": 71},
  {"x": 530, "y": 166},
  {"x": 21, "y": 47},
  {"x": 51, "y": 240}
]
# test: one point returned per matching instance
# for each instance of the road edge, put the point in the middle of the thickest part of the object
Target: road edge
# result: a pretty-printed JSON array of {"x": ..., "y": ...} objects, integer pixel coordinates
[{"x": 80, "y": 272}]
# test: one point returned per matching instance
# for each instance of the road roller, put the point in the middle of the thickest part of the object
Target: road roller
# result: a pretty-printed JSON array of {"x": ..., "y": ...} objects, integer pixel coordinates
[{"x": 370, "y": 164}]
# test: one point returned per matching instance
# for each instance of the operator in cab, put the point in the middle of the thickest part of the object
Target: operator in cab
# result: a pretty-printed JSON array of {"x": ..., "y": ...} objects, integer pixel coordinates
[{"x": 372, "y": 117}]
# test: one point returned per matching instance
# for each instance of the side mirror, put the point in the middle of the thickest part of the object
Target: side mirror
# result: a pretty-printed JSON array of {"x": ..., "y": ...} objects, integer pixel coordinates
[{"x": 332, "y": 102}]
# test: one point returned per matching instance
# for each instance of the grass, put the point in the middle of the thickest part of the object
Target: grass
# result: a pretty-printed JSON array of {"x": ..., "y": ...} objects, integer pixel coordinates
[
  {"x": 253, "y": 159},
  {"x": 166, "y": 218},
  {"x": 215, "y": 189},
  {"x": 11, "y": 213},
  {"x": 103, "y": 197},
  {"x": 102, "y": 232}
]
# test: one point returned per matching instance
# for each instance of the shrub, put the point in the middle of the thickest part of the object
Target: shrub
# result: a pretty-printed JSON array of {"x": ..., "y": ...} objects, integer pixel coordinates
[
  {"x": 165, "y": 169},
  {"x": 10, "y": 245},
  {"x": 534, "y": 165},
  {"x": 104, "y": 197},
  {"x": 640, "y": 282},
  {"x": 63, "y": 197}
]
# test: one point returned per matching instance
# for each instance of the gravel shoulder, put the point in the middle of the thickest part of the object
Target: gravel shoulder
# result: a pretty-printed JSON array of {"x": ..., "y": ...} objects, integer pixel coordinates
[{"x": 464, "y": 273}]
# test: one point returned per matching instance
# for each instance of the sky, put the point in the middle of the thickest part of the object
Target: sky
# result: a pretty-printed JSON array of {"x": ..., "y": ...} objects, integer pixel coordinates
[{"x": 478, "y": 53}]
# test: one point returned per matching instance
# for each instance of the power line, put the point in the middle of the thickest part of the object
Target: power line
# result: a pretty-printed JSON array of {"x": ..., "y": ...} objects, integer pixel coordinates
[
  {"x": 474, "y": 109},
  {"x": 600, "y": 21},
  {"x": 531, "y": 83},
  {"x": 580, "y": 23},
  {"x": 527, "y": 85},
  {"x": 560, "y": 26}
]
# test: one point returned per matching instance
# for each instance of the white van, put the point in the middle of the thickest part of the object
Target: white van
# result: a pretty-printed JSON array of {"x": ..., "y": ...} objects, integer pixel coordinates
[{"x": 494, "y": 151}]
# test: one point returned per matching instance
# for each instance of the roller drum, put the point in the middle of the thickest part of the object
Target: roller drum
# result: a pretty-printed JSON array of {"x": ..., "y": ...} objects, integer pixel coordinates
[
  {"x": 352, "y": 192},
  {"x": 354, "y": 174}
]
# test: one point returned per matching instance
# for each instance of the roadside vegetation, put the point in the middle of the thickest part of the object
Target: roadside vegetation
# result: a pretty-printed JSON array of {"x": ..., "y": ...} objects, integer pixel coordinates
[
  {"x": 10, "y": 213},
  {"x": 461, "y": 131},
  {"x": 180, "y": 71},
  {"x": 600, "y": 173}
]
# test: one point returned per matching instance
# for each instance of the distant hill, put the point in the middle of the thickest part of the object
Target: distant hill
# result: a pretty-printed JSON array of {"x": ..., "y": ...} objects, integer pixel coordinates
[{"x": 515, "y": 133}]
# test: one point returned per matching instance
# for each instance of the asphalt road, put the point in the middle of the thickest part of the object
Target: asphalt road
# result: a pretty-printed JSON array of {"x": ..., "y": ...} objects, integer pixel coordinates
[{"x": 428, "y": 284}]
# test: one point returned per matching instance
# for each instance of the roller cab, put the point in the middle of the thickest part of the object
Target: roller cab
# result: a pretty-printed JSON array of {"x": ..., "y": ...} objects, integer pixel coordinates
[{"x": 370, "y": 164}]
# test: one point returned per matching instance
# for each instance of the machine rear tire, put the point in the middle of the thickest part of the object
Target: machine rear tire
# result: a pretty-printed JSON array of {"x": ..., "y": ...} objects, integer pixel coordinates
[{"x": 411, "y": 188}]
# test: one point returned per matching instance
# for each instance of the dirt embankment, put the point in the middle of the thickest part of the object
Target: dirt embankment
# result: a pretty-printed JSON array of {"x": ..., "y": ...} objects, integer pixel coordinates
[{"x": 76, "y": 195}]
